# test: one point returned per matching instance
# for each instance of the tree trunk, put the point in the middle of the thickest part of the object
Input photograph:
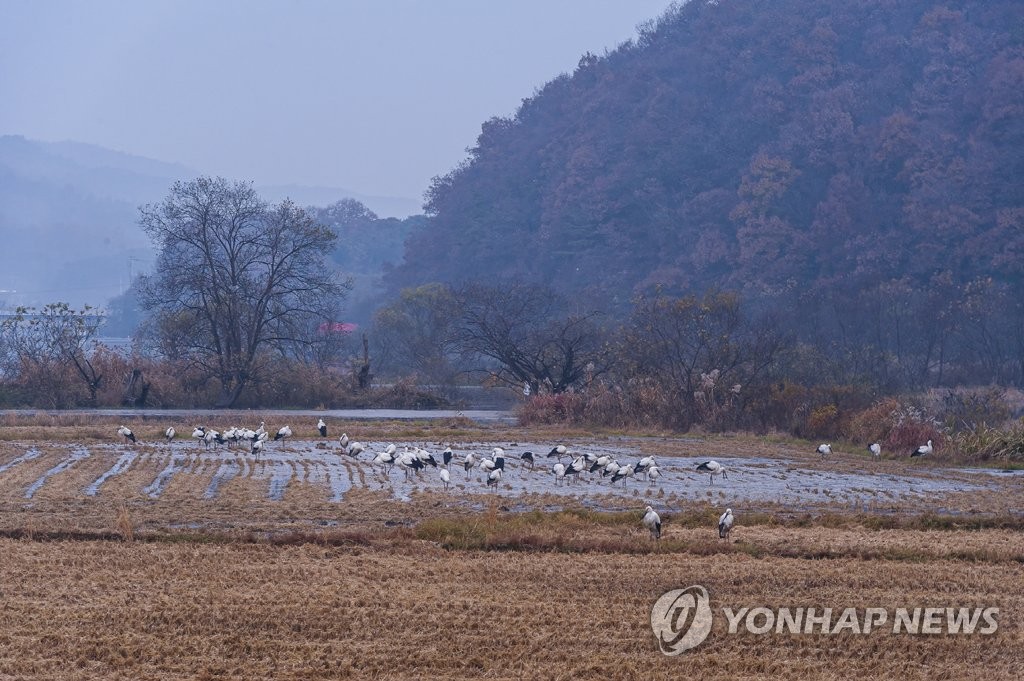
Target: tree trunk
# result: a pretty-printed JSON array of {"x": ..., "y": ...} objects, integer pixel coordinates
[
  {"x": 364, "y": 376},
  {"x": 230, "y": 390}
]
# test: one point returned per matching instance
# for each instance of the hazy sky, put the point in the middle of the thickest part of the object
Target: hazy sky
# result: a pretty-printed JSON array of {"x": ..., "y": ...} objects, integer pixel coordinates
[{"x": 376, "y": 96}]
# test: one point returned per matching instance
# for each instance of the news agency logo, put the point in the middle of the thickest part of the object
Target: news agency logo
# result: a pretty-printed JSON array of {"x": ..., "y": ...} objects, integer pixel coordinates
[{"x": 681, "y": 619}]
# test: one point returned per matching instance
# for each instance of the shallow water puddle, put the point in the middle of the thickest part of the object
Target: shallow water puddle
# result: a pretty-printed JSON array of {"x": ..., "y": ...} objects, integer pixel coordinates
[
  {"x": 76, "y": 456},
  {"x": 27, "y": 456},
  {"x": 123, "y": 463}
]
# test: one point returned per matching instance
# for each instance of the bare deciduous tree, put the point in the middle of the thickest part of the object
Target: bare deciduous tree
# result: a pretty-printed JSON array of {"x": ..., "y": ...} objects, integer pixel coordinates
[
  {"x": 39, "y": 345},
  {"x": 240, "y": 278},
  {"x": 528, "y": 332}
]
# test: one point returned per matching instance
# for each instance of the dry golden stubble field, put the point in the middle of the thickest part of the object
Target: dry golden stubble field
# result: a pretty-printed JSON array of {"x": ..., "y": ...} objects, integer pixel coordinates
[
  {"x": 244, "y": 587},
  {"x": 163, "y": 610}
]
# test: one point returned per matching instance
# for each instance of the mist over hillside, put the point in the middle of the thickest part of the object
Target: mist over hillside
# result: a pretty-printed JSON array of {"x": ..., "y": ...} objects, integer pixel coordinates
[
  {"x": 69, "y": 217},
  {"x": 793, "y": 150}
]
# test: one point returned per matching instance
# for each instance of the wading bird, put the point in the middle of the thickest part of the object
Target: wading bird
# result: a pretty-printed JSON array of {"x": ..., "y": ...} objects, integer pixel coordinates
[
  {"x": 825, "y": 450},
  {"x": 343, "y": 441},
  {"x": 354, "y": 449},
  {"x": 469, "y": 463},
  {"x": 725, "y": 524},
  {"x": 384, "y": 459},
  {"x": 322, "y": 427},
  {"x": 283, "y": 433},
  {"x": 447, "y": 455},
  {"x": 257, "y": 448},
  {"x": 712, "y": 468},
  {"x": 493, "y": 478},
  {"x": 652, "y": 521},
  {"x": 923, "y": 450},
  {"x": 875, "y": 449},
  {"x": 170, "y": 433},
  {"x": 126, "y": 433},
  {"x": 653, "y": 473},
  {"x": 558, "y": 451},
  {"x": 445, "y": 478},
  {"x": 527, "y": 458},
  {"x": 559, "y": 471},
  {"x": 622, "y": 474}
]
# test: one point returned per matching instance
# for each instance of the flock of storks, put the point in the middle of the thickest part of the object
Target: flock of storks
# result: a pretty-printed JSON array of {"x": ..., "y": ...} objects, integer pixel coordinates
[{"x": 414, "y": 459}]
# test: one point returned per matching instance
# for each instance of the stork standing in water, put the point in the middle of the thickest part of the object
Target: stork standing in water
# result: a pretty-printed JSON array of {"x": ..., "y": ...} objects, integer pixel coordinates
[
  {"x": 447, "y": 455},
  {"x": 559, "y": 471},
  {"x": 257, "y": 448},
  {"x": 469, "y": 463},
  {"x": 725, "y": 523},
  {"x": 126, "y": 433},
  {"x": 169, "y": 434},
  {"x": 643, "y": 464},
  {"x": 825, "y": 450},
  {"x": 653, "y": 473},
  {"x": 622, "y": 474},
  {"x": 876, "y": 450},
  {"x": 527, "y": 458},
  {"x": 446, "y": 478},
  {"x": 284, "y": 432},
  {"x": 558, "y": 451},
  {"x": 494, "y": 477},
  {"x": 343, "y": 440},
  {"x": 652, "y": 521},
  {"x": 354, "y": 449},
  {"x": 322, "y": 427},
  {"x": 576, "y": 467},
  {"x": 385, "y": 459},
  {"x": 923, "y": 450},
  {"x": 712, "y": 468}
]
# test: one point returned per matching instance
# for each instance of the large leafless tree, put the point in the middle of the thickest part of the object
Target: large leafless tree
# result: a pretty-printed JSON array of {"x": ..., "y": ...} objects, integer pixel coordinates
[
  {"x": 236, "y": 278},
  {"x": 531, "y": 336}
]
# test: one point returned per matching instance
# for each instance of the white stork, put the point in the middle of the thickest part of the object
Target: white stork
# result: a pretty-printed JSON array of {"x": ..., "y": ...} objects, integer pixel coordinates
[
  {"x": 576, "y": 467},
  {"x": 558, "y": 451},
  {"x": 923, "y": 450},
  {"x": 343, "y": 440},
  {"x": 257, "y": 448},
  {"x": 447, "y": 455},
  {"x": 622, "y": 474},
  {"x": 876, "y": 450},
  {"x": 527, "y": 459},
  {"x": 322, "y": 427},
  {"x": 469, "y": 463},
  {"x": 354, "y": 449},
  {"x": 643, "y": 464},
  {"x": 385, "y": 459},
  {"x": 170, "y": 433},
  {"x": 825, "y": 450},
  {"x": 652, "y": 521},
  {"x": 126, "y": 433},
  {"x": 284, "y": 432},
  {"x": 712, "y": 468},
  {"x": 493, "y": 478},
  {"x": 559, "y": 471},
  {"x": 725, "y": 523},
  {"x": 446, "y": 478},
  {"x": 653, "y": 473}
]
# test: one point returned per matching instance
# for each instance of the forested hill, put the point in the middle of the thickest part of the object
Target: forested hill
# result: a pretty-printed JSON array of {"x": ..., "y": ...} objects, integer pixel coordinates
[{"x": 768, "y": 147}]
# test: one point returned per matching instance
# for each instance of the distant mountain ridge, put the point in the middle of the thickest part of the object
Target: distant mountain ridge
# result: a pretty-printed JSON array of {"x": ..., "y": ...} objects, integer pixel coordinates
[
  {"x": 69, "y": 211},
  {"x": 791, "y": 150}
]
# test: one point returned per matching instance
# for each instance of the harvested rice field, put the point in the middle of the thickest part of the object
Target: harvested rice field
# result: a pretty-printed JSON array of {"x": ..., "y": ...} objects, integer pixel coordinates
[{"x": 160, "y": 560}]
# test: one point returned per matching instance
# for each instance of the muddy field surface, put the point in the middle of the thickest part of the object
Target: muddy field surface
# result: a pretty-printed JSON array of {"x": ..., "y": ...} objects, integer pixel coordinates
[
  {"x": 163, "y": 560},
  {"x": 311, "y": 482}
]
